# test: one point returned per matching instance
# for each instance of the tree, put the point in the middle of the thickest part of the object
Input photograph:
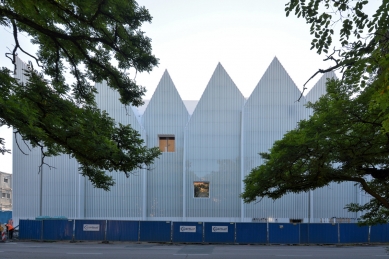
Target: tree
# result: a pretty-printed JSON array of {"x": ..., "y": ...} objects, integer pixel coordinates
[
  {"x": 362, "y": 54},
  {"x": 93, "y": 41},
  {"x": 346, "y": 139}
]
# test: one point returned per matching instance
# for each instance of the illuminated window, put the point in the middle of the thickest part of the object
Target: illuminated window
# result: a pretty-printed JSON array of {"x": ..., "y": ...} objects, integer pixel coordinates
[
  {"x": 201, "y": 189},
  {"x": 167, "y": 143}
]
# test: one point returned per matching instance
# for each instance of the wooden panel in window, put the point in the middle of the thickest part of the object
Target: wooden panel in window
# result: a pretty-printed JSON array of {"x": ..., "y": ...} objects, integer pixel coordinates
[
  {"x": 163, "y": 144},
  {"x": 171, "y": 144}
]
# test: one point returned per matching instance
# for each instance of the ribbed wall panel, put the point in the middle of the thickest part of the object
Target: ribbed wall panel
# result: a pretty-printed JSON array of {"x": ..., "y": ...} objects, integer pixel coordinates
[
  {"x": 165, "y": 114},
  {"x": 26, "y": 181},
  {"x": 329, "y": 201},
  {"x": 125, "y": 198},
  {"x": 60, "y": 187},
  {"x": 269, "y": 113},
  {"x": 213, "y": 149}
]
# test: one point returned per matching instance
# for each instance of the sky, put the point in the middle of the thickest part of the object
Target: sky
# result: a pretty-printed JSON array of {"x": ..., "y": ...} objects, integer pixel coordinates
[{"x": 191, "y": 37}]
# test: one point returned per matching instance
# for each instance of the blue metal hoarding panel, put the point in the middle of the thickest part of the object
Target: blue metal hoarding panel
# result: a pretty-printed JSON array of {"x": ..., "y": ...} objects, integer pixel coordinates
[
  {"x": 352, "y": 233},
  {"x": 219, "y": 232},
  {"x": 379, "y": 233},
  {"x": 319, "y": 233},
  {"x": 284, "y": 233},
  {"x": 118, "y": 230},
  {"x": 188, "y": 232},
  {"x": 5, "y": 216},
  {"x": 251, "y": 233},
  {"x": 304, "y": 233},
  {"x": 89, "y": 230},
  {"x": 155, "y": 231},
  {"x": 57, "y": 229},
  {"x": 30, "y": 229}
]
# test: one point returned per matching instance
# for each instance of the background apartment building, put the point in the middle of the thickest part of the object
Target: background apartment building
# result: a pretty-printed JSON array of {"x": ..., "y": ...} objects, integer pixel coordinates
[{"x": 6, "y": 191}]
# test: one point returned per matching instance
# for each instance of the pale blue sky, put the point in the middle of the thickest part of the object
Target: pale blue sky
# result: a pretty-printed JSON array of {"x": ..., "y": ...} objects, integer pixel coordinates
[{"x": 191, "y": 37}]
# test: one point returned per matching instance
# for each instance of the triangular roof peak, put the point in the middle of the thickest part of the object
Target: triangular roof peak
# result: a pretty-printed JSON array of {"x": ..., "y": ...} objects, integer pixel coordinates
[
  {"x": 275, "y": 86},
  {"x": 165, "y": 96}
]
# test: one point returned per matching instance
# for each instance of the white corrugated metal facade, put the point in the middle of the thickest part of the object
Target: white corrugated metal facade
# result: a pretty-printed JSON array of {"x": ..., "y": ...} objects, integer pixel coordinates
[{"x": 217, "y": 144}]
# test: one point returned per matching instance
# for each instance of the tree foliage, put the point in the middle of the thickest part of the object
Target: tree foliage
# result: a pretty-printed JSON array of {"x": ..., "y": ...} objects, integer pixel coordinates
[
  {"x": 346, "y": 139},
  {"x": 92, "y": 41},
  {"x": 361, "y": 54}
]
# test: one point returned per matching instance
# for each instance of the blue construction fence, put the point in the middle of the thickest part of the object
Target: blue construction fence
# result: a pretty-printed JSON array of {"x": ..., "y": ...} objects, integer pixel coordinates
[{"x": 201, "y": 232}]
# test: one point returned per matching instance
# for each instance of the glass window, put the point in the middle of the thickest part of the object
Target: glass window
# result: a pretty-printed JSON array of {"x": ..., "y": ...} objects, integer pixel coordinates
[
  {"x": 3, "y": 195},
  {"x": 6, "y": 180},
  {"x": 8, "y": 195},
  {"x": 167, "y": 143},
  {"x": 201, "y": 189}
]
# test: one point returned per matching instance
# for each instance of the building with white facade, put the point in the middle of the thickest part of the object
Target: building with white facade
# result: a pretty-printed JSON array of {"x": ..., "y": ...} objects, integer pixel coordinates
[
  {"x": 6, "y": 191},
  {"x": 206, "y": 153}
]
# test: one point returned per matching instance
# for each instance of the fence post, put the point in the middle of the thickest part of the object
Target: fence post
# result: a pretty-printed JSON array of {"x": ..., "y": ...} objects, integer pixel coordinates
[
  {"x": 105, "y": 241},
  {"x": 171, "y": 231},
  {"x": 203, "y": 232},
  {"x": 235, "y": 233},
  {"x": 43, "y": 222},
  {"x": 74, "y": 231},
  {"x": 338, "y": 234},
  {"x": 139, "y": 231},
  {"x": 267, "y": 230},
  {"x": 368, "y": 237}
]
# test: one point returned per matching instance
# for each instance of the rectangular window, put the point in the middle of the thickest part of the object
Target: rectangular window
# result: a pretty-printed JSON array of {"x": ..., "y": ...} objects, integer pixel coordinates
[
  {"x": 3, "y": 195},
  {"x": 6, "y": 180},
  {"x": 8, "y": 195},
  {"x": 167, "y": 143},
  {"x": 201, "y": 189}
]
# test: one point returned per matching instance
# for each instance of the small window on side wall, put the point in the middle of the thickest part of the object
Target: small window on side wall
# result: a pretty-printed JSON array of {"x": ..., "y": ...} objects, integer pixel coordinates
[
  {"x": 6, "y": 180},
  {"x": 201, "y": 189},
  {"x": 167, "y": 143}
]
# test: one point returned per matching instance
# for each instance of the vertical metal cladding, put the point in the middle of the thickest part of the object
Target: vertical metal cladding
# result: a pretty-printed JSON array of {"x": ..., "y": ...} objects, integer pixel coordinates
[
  {"x": 26, "y": 180},
  {"x": 165, "y": 116},
  {"x": 213, "y": 149},
  {"x": 271, "y": 110},
  {"x": 125, "y": 198},
  {"x": 52, "y": 192},
  {"x": 217, "y": 145}
]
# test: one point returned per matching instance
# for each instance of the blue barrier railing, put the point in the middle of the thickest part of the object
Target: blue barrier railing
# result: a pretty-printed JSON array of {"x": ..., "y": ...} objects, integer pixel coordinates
[{"x": 199, "y": 232}]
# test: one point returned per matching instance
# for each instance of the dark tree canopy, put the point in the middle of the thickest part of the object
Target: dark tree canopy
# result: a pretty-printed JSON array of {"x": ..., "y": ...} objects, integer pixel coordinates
[
  {"x": 347, "y": 137},
  {"x": 93, "y": 41}
]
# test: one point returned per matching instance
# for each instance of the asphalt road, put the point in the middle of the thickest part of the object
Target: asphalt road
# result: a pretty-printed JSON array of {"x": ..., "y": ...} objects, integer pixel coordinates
[{"x": 86, "y": 250}]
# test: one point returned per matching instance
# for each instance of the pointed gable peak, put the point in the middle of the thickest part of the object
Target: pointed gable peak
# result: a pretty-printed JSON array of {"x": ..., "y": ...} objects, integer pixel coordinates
[
  {"x": 220, "y": 83},
  {"x": 165, "y": 75},
  {"x": 275, "y": 62},
  {"x": 220, "y": 71}
]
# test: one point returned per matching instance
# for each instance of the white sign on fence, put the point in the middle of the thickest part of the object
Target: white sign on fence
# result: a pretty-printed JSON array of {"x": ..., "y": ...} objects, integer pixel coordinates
[
  {"x": 187, "y": 228},
  {"x": 91, "y": 227},
  {"x": 222, "y": 229}
]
